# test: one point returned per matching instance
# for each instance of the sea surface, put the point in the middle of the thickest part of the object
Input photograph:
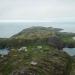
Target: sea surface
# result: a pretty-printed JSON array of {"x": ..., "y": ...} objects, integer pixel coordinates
[
  {"x": 9, "y": 29},
  {"x": 4, "y": 51},
  {"x": 70, "y": 51}
]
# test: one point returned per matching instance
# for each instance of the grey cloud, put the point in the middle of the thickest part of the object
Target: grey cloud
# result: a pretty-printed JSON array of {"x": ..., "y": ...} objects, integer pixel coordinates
[{"x": 36, "y": 9}]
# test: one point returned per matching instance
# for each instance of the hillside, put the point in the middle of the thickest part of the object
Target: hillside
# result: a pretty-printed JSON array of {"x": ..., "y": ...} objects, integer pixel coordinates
[
  {"x": 36, "y": 32},
  {"x": 39, "y": 35},
  {"x": 35, "y": 60},
  {"x": 37, "y": 51},
  {"x": 73, "y": 66}
]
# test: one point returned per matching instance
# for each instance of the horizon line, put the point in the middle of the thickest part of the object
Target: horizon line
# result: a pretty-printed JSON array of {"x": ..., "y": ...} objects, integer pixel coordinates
[
  {"x": 26, "y": 21},
  {"x": 45, "y": 20}
]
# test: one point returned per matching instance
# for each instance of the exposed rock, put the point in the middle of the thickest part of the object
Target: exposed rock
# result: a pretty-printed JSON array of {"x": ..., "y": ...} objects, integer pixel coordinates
[
  {"x": 33, "y": 63},
  {"x": 55, "y": 41},
  {"x": 39, "y": 47},
  {"x": 23, "y": 49}
]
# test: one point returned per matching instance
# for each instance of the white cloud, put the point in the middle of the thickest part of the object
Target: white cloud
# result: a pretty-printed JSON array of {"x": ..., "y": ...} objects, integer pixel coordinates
[{"x": 36, "y": 9}]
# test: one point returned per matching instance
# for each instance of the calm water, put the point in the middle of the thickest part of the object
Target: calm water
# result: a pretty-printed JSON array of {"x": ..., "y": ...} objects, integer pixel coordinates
[
  {"x": 9, "y": 29},
  {"x": 70, "y": 51},
  {"x": 4, "y": 51}
]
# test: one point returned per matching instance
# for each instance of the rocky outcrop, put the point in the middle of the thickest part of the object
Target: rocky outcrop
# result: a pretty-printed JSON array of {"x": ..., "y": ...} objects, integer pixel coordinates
[{"x": 55, "y": 41}]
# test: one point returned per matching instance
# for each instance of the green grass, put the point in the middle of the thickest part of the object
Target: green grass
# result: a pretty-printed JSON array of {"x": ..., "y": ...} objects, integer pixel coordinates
[{"x": 49, "y": 60}]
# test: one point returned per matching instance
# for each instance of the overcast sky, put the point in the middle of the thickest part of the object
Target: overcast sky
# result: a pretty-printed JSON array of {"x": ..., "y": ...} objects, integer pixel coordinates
[{"x": 37, "y": 9}]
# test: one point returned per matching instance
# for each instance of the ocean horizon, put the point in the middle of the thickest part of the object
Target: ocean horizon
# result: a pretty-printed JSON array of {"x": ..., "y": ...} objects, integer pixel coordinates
[{"x": 8, "y": 29}]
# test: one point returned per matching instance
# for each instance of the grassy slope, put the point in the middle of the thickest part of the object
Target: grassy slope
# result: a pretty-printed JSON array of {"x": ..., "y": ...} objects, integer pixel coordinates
[
  {"x": 36, "y": 32},
  {"x": 50, "y": 61},
  {"x": 72, "y": 72}
]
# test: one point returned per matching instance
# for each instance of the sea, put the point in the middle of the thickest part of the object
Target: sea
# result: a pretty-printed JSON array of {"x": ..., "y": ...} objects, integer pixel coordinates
[{"x": 8, "y": 29}]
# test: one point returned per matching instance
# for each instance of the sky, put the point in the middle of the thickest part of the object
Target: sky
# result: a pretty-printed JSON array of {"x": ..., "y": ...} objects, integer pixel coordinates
[
  {"x": 14, "y": 14},
  {"x": 49, "y": 10}
]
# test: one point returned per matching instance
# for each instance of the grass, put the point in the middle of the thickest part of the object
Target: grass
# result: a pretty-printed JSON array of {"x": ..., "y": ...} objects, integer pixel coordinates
[{"x": 48, "y": 60}]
